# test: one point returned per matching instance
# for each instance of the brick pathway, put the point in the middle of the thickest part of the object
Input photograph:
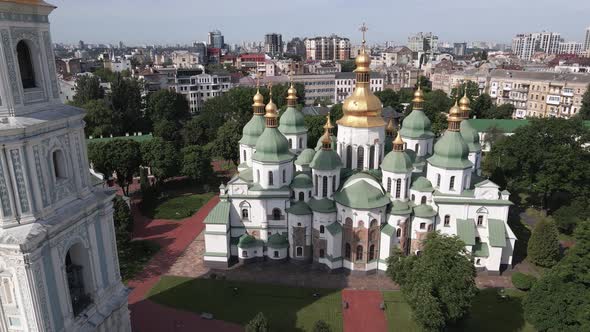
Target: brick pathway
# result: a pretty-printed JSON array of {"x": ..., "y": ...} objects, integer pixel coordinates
[
  {"x": 363, "y": 312},
  {"x": 173, "y": 237}
]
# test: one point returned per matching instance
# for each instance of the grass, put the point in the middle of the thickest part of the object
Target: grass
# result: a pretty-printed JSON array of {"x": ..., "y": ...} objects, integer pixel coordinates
[
  {"x": 133, "y": 256},
  {"x": 286, "y": 308},
  {"x": 178, "y": 207},
  {"x": 488, "y": 313}
]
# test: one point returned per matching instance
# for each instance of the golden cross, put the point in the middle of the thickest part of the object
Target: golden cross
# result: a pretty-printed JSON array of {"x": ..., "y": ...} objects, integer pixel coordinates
[
  {"x": 363, "y": 29},
  {"x": 291, "y": 77},
  {"x": 257, "y": 80},
  {"x": 269, "y": 85}
]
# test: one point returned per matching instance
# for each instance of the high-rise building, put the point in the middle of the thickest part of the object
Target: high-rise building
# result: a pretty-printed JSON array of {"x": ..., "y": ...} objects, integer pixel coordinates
[
  {"x": 423, "y": 42},
  {"x": 459, "y": 49},
  {"x": 571, "y": 47},
  {"x": 201, "y": 49},
  {"x": 81, "y": 45},
  {"x": 587, "y": 40},
  {"x": 296, "y": 47},
  {"x": 273, "y": 44},
  {"x": 525, "y": 45},
  {"x": 215, "y": 39},
  {"x": 327, "y": 48}
]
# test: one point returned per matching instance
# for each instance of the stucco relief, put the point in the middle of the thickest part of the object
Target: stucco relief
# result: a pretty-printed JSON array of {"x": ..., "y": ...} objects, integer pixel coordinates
[
  {"x": 50, "y": 63},
  {"x": 11, "y": 66},
  {"x": 40, "y": 176},
  {"x": 20, "y": 180},
  {"x": 42, "y": 295},
  {"x": 4, "y": 197}
]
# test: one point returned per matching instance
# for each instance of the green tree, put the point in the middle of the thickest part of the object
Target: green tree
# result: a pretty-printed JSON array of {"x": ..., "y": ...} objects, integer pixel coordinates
[
  {"x": 543, "y": 247},
  {"x": 321, "y": 326},
  {"x": 123, "y": 220},
  {"x": 405, "y": 95},
  {"x": 584, "y": 112},
  {"x": 194, "y": 132},
  {"x": 439, "y": 284},
  {"x": 503, "y": 111},
  {"x": 87, "y": 89},
  {"x": 168, "y": 130},
  {"x": 493, "y": 135},
  {"x": 196, "y": 163},
  {"x": 388, "y": 97},
  {"x": 99, "y": 158},
  {"x": 167, "y": 105},
  {"x": 559, "y": 301},
  {"x": 336, "y": 113},
  {"x": 569, "y": 216},
  {"x": 436, "y": 106},
  {"x": 347, "y": 66},
  {"x": 125, "y": 156},
  {"x": 126, "y": 103},
  {"x": 472, "y": 91},
  {"x": 481, "y": 104},
  {"x": 425, "y": 83},
  {"x": 105, "y": 74},
  {"x": 99, "y": 119},
  {"x": 162, "y": 157},
  {"x": 315, "y": 129},
  {"x": 226, "y": 144},
  {"x": 258, "y": 324},
  {"x": 235, "y": 105}
]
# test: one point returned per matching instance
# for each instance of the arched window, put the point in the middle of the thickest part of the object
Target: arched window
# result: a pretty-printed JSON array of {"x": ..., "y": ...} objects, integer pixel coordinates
[
  {"x": 317, "y": 184},
  {"x": 413, "y": 197},
  {"x": 349, "y": 156},
  {"x": 423, "y": 200},
  {"x": 276, "y": 214},
  {"x": 452, "y": 183},
  {"x": 324, "y": 186},
  {"x": 333, "y": 183},
  {"x": 7, "y": 291},
  {"x": 438, "y": 180},
  {"x": 270, "y": 179},
  {"x": 372, "y": 157},
  {"x": 299, "y": 251},
  {"x": 79, "y": 278},
  {"x": 348, "y": 223},
  {"x": 422, "y": 225},
  {"x": 398, "y": 233},
  {"x": 359, "y": 253},
  {"x": 284, "y": 176},
  {"x": 372, "y": 235},
  {"x": 480, "y": 220},
  {"x": 59, "y": 164},
  {"x": 301, "y": 196},
  {"x": 347, "y": 251},
  {"x": 389, "y": 185},
  {"x": 258, "y": 176},
  {"x": 322, "y": 253},
  {"x": 398, "y": 188},
  {"x": 372, "y": 252},
  {"x": 447, "y": 221},
  {"x": 25, "y": 65},
  {"x": 244, "y": 155},
  {"x": 373, "y": 223},
  {"x": 360, "y": 154},
  {"x": 300, "y": 143},
  {"x": 244, "y": 253},
  {"x": 290, "y": 142},
  {"x": 244, "y": 214},
  {"x": 309, "y": 194},
  {"x": 416, "y": 148},
  {"x": 322, "y": 229}
]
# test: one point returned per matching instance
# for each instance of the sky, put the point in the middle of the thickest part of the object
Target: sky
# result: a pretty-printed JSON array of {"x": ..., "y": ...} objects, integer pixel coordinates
[{"x": 137, "y": 22}]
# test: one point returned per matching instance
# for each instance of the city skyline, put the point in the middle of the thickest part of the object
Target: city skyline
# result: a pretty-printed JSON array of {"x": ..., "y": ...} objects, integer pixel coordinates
[{"x": 458, "y": 21}]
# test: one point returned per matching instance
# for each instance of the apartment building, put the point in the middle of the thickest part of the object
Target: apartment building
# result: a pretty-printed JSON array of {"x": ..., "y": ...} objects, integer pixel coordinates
[
  {"x": 587, "y": 40},
  {"x": 317, "y": 87},
  {"x": 570, "y": 47},
  {"x": 198, "y": 87},
  {"x": 525, "y": 45},
  {"x": 273, "y": 44},
  {"x": 185, "y": 59},
  {"x": 327, "y": 48},
  {"x": 345, "y": 84},
  {"x": 393, "y": 56},
  {"x": 423, "y": 42}
]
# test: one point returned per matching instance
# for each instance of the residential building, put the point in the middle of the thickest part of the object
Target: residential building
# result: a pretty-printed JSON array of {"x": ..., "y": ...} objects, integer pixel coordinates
[
  {"x": 327, "y": 48},
  {"x": 273, "y": 44},
  {"x": 423, "y": 42},
  {"x": 322, "y": 67},
  {"x": 200, "y": 48},
  {"x": 460, "y": 49},
  {"x": 60, "y": 269},
  {"x": 393, "y": 56},
  {"x": 198, "y": 87},
  {"x": 118, "y": 64},
  {"x": 570, "y": 47},
  {"x": 587, "y": 40},
  {"x": 70, "y": 66},
  {"x": 296, "y": 47},
  {"x": 185, "y": 59},
  {"x": 398, "y": 77},
  {"x": 525, "y": 45},
  {"x": 155, "y": 79},
  {"x": 215, "y": 39},
  {"x": 345, "y": 84},
  {"x": 317, "y": 87}
]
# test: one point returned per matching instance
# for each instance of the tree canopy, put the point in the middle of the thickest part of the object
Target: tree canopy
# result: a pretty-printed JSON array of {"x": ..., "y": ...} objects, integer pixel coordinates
[
  {"x": 121, "y": 156},
  {"x": 226, "y": 144},
  {"x": 87, "y": 89},
  {"x": 100, "y": 120},
  {"x": 543, "y": 246},
  {"x": 162, "y": 157},
  {"x": 126, "y": 103},
  {"x": 472, "y": 91},
  {"x": 196, "y": 163},
  {"x": 584, "y": 112}
]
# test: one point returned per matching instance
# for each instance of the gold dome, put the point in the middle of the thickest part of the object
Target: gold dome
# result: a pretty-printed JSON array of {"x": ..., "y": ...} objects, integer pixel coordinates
[
  {"x": 270, "y": 109},
  {"x": 398, "y": 143},
  {"x": 362, "y": 61},
  {"x": 258, "y": 99},
  {"x": 291, "y": 96},
  {"x": 390, "y": 128},
  {"x": 464, "y": 105},
  {"x": 454, "y": 118},
  {"x": 328, "y": 124},
  {"x": 418, "y": 95}
]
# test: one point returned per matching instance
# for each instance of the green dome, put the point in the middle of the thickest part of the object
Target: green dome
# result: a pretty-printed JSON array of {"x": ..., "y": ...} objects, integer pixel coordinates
[
  {"x": 397, "y": 162},
  {"x": 248, "y": 241},
  {"x": 302, "y": 180},
  {"x": 400, "y": 208},
  {"x": 334, "y": 140},
  {"x": 424, "y": 211},
  {"x": 277, "y": 241},
  {"x": 326, "y": 160},
  {"x": 362, "y": 191},
  {"x": 305, "y": 157},
  {"x": 272, "y": 146},
  {"x": 471, "y": 136},
  {"x": 416, "y": 125},
  {"x": 292, "y": 122},
  {"x": 252, "y": 130},
  {"x": 299, "y": 208},
  {"x": 451, "y": 152},
  {"x": 422, "y": 184}
]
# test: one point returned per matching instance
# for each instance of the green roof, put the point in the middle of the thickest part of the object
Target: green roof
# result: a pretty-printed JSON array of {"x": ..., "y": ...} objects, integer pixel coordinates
[
  {"x": 292, "y": 122},
  {"x": 272, "y": 146},
  {"x": 326, "y": 160},
  {"x": 387, "y": 229},
  {"x": 323, "y": 205},
  {"x": 246, "y": 175},
  {"x": 277, "y": 241},
  {"x": 466, "y": 231},
  {"x": 422, "y": 184},
  {"x": 360, "y": 194},
  {"x": 299, "y": 208},
  {"x": 140, "y": 138},
  {"x": 481, "y": 249},
  {"x": 333, "y": 139},
  {"x": 252, "y": 130},
  {"x": 424, "y": 211},
  {"x": 305, "y": 157},
  {"x": 334, "y": 228},
  {"x": 219, "y": 214},
  {"x": 302, "y": 180},
  {"x": 397, "y": 162},
  {"x": 470, "y": 136},
  {"x": 451, "y": 152},
  {"x": 497, "y": 233},
  {"x": 248, "y": 241},
  {"x": 416, "y": 125},
  {"x": 400, "y": 208}
]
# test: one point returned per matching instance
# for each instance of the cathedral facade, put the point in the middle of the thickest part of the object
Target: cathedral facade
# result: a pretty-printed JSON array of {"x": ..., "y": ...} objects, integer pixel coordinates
[
  {"x": 347, "y": 203},
  {"x": 59, "y": 269}
]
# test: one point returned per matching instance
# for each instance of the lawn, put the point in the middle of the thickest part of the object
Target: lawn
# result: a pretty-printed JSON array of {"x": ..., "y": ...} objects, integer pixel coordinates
[
  {"x": 488, "y": 313},
  {"x": 178, "y": 207},
  {"x": 286, "y": 308},
  {"x": 133, "y": 256}
]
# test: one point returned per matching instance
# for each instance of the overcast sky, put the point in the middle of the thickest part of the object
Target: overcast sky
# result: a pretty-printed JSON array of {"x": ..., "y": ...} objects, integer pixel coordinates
[{"x": 184, "y": 21}]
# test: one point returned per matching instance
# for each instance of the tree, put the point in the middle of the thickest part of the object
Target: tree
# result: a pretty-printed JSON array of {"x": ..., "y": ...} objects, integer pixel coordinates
[
  {"x": 194, "y": 131},
  {"x": 125, "y": 157},
  {"x": 439, "y": 284},
  {"x": 436, "y": 106},
  {"x": 569, "y": 216},
  {"x": 425, "y": 83},
  {"x": 347, "y": 66},
  {"x": 315, "y": 129},
  {"x": 336, "y": 113},
  {"x": 258, "y": 324},
  {"x": 122, "y": 219},
  {"x": 472, "y": 91},
  {"x": 503, "y": 111},
  {"x": 226, "y": 144},
  {"x": 481, "y": 104},
  {"x": 196, "y": 163},
  {"x": 523, "y": 281},
  {"x": 559, "y": 301},
  {"x": 99, "y": 119},
  {"x": 493, "y": 135},
  {"x": 105, "y": 74},
  {"x": 126, "y": 103},
  {"x": 162, "y": 157},
  {"x": 321, "y": 326},
  {"x": 99, "y": 158},
  {"x": 87, "y": 88},
  {"x": 388, "y": 97},
  {"x": 543, "y": 247},
  {"x": 584, "y": 112},
  {"x": 167, "y": 105},
  {"x": 168, "y": 130}
]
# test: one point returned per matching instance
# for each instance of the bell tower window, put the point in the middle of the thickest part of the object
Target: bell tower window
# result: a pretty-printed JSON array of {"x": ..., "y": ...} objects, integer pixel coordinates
[
  {"x": 59, "y": 165},
  {"x": 25, "y": 65}
]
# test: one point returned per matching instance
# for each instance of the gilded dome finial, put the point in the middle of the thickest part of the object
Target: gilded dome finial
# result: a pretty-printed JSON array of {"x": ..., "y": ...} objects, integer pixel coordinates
[
  {"x": 454, "y": 118},
  {"x": 464, "y": 104},
  {"x": 418, "y": 100},
  {"x": 328, "y": 124},
  {"x": 271, "y": 110},
  {"x": 291, "y": 93},
  {"x": 398, "y": 143},
  {"x": 258, "y": 106},
  {"x": 326, "y": 138},
  {"x": 390, "y": 127}
]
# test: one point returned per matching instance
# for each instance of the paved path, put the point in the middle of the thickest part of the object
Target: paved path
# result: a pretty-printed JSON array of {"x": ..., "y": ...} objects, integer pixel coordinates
[
  {"x": 363, "y": 312},
  {"x": 173, "y": 237}
]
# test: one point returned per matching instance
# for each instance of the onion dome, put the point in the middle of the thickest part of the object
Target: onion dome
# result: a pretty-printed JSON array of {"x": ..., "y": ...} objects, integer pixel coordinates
[
  {"x": 326, "y": 158},
  {"x": 272, "y": 145},
  {"x": 451, "y": 151},
  {"x": 454, "y": 119},
  {"x": 362, "y": 109},
  {"x": 390, "y": 128},
  {"x": 305, "y": 157},
  {"x": 254, "y": 128},
  {"x": 417, "y": 125},
  {"x": 292, "y": 121},
  {"x": 422, "y": 184},
  {"x": 469, "y": 134},
  {"x": 464, "y": 106},
  {"x": 362, "y": 191},
  {"x": 302, "y": 181},
  {"x": 397, "y": 161},
  {"x": 277, "y": 241}
]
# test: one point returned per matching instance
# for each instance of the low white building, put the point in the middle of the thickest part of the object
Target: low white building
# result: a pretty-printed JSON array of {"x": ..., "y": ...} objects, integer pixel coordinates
[{"x": 198, "y": 88}]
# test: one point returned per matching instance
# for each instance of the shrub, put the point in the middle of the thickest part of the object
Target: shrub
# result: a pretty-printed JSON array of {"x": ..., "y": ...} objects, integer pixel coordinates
[
  {"x": 258, "y": 324},
  {"x": 523, "y": 281},
  {"x": 122, "y": 219},
  {"x": 543, "y": 247}
]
